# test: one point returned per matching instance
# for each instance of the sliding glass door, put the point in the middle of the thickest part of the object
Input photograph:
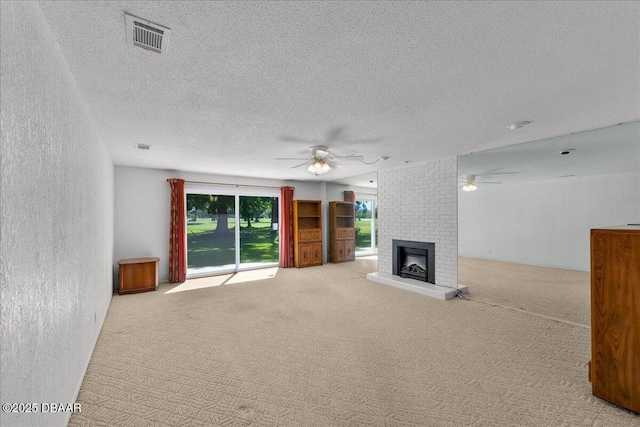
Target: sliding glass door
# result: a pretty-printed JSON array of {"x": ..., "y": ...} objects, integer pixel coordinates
[
  {"x": 231, "y": 232},
  {"x": 259, "y": 231},
  {"x": 211, "y": 241},
  {"x": 366, "y": 227}
]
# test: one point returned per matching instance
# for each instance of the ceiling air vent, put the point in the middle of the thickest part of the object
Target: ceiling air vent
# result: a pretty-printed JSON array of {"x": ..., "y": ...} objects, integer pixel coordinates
[{"x": 147, "y": 35}]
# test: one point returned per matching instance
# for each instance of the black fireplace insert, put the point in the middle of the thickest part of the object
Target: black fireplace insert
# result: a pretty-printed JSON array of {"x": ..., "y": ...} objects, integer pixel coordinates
[{"x": 414, "y": 260}]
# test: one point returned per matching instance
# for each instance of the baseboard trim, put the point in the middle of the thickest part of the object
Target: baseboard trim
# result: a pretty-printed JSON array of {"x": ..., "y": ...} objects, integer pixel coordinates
[{"x": 86, "y": 365}]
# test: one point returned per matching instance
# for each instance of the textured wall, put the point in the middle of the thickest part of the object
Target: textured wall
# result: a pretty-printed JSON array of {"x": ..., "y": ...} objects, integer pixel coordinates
[
  {"x": 57, "y": 222},
  {"x": 547, "y": 222},
  {"x": 419, "y": 202}
]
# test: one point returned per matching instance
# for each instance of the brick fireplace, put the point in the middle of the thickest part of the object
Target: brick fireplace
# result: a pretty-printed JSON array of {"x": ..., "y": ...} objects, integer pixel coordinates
[{"x": 418, "y": 203}]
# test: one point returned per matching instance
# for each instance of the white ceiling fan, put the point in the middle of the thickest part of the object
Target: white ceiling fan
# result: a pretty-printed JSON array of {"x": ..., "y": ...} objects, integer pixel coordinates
[
  {"x": 470, "y": 183},
  {"x": 321, "y": 160}
]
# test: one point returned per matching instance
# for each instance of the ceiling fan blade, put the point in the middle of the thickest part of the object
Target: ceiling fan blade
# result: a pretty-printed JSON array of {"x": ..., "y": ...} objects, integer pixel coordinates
[
  {"x": 360, "y": 141},
  {"x": 289, "y": 138},
  {"x": 333, "y": 164},
  {"x": 301, "y": 164},
  {"x": 334, "y": 133},
  {"x": 496, "y": 173}
]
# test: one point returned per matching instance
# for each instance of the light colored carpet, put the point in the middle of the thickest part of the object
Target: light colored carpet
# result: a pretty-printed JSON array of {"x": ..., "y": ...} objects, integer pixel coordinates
[
  {"x": 554, "y": 292},
  {"x": 323, "y": 346}
]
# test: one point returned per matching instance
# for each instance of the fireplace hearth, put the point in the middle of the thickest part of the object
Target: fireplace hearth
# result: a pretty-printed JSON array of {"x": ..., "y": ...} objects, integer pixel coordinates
[
  {"x": 414, "y": 270},
  {"x": 414, "y": 260}
]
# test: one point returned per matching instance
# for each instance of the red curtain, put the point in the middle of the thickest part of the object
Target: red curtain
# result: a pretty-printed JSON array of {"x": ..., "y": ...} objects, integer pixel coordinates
[
  {"x": 286, "y": 227},
  {"x": 177, "y": 233}
]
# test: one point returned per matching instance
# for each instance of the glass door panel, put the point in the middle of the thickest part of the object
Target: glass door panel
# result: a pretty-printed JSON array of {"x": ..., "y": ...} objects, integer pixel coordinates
[
  {"x": 211, "y": 224},
  {"x": 231, "y": 232},
  {"x": 366, "y": 227},
  {"x": 259, "y": 231}
]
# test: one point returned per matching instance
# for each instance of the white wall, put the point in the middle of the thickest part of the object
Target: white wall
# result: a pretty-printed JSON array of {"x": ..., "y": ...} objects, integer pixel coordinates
[
  {"x": 142, "y": 199},
  {"x": 57, "y": 222},
  {"x": 419, "y": 202},
  {"x": 547, "y": 222}
]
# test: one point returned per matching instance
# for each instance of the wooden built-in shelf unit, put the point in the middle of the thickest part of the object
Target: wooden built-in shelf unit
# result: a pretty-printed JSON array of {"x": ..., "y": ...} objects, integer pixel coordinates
[
  {"x": 307, "y": 233},
  {"x": 342, "y": 232}
]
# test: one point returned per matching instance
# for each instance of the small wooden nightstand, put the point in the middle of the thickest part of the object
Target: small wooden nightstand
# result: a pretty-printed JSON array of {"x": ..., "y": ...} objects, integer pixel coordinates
[{"x": 138, "y": 275}]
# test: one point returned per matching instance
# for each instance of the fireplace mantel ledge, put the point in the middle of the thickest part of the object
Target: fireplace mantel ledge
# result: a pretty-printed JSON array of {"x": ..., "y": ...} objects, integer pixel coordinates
[{"x": 424, "y": 288}]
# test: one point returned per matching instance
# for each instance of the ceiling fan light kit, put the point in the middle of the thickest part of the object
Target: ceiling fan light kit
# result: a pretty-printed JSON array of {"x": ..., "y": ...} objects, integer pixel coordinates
[
  {"x": 470, "y": 181},
  {"x": 319, "y": 167},
  {"x": 469, "y": 186}
]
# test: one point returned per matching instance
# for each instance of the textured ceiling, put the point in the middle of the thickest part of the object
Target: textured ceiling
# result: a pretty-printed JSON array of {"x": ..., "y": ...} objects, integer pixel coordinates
[{"x": 416, "y": 81}]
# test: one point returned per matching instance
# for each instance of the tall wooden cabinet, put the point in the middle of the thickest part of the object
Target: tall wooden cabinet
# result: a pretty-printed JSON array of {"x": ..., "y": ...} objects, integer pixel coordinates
[
  {"x": 342, "y": 232},
  {"x": 615, "y": 315},
  {"x": 307, "y": 233}
]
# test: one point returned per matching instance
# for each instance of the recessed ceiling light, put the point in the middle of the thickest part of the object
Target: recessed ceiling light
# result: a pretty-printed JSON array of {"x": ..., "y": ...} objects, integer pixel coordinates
[{"x": 517, "y": 125}]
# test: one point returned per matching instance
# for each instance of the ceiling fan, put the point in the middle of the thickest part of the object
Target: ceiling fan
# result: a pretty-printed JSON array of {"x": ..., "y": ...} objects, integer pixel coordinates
[
  {"x": 321, "y": 160},
  {"x": 470, "y": 183}
]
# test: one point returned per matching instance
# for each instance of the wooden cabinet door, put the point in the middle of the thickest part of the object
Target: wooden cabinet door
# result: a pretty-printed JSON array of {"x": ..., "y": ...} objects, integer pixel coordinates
[
  {"x": 350, "y": 250},
  {"x": 305, "y": 254},
  {"x": 316, "y": 253},
  {"x": 341, "y": 250},
  {"x": 615, "y": 316},
  {"x": 137, "y": 275}
]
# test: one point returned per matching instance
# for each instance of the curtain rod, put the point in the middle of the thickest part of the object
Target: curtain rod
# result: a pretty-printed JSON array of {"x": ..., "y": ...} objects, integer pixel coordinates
[
  {"x": 231, "y": 185},
  {"x": 255, "y": 186}
]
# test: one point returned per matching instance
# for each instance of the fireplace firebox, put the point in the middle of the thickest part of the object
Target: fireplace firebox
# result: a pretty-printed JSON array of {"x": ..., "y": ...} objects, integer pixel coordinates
[{"x": 414, "y": 260}]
